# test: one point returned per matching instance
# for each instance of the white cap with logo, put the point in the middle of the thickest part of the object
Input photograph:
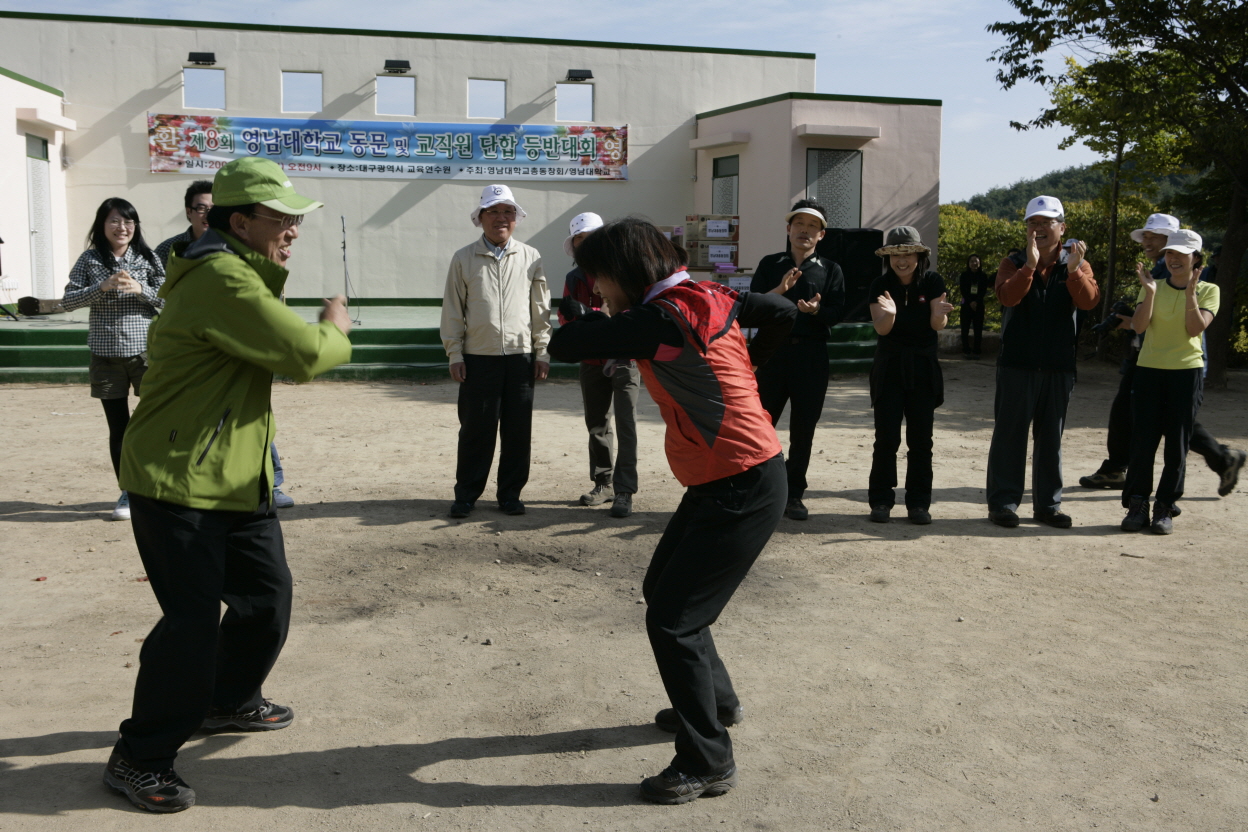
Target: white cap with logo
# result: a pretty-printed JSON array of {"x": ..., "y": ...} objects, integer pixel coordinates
[
  {"x": 1044, "y": 206},
  {"x": 495, "y": 195},
  {"x": 1184, "y": 241},
  {"x": 581, "y": 224},
  {"x": 1162, "y": 224}
]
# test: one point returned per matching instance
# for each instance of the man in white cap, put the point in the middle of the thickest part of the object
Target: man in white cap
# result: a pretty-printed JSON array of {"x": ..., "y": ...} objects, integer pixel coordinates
[
  {"x": 605, "y": 385},
  {"x": 1040, "y": 289},
  {"x": 495, "y": 328},
  {"x": 1223, "y": 461}
]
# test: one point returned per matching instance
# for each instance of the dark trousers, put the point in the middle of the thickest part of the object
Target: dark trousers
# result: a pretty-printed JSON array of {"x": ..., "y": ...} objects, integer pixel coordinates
[
  {"x": 1163, "y": 404},
  {"x": 917, "y": 405},
  {"x": 1118, "y": 439},
  {"x": 973, "y": 319},
  {"x": 709, "y": 545},
  {"x": 797, "y": 373},
  {"x": 495, "y": 402},
  {"x": 1035, "y": 402},
  {"x": 602, "y": 394},
  {"x": 194, "y": 658}
]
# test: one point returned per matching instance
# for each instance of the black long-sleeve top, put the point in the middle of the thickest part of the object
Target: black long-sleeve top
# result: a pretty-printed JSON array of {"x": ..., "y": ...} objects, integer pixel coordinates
[
  {"x": 639, "y": 332},
  {"x": 820, "y": 276},
  {"x": 974, "y": 286}
]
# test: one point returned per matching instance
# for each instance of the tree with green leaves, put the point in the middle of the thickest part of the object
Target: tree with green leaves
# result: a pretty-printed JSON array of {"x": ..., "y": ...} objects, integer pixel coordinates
[{"x": 1197, "y": 52}]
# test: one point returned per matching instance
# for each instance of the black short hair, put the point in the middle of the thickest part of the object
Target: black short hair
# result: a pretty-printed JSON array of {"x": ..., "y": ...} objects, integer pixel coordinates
[
  {"x": 199, "y": 186},
  {"x": 219, "y": 215},
  {"x": 632, "y": 253},
  {"x": 810, "y": 203}
]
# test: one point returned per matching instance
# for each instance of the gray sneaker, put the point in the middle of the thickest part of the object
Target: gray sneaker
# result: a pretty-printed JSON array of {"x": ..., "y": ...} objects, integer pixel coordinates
[{"x": 602, "y": 492}]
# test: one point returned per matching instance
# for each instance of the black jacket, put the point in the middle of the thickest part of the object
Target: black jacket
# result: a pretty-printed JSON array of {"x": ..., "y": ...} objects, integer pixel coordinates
[{"x": 820, "y": 276}]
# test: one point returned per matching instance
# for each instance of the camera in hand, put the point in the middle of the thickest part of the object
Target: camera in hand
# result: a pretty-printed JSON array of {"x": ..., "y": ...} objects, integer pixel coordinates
[{"x": 1112, "y": 321}]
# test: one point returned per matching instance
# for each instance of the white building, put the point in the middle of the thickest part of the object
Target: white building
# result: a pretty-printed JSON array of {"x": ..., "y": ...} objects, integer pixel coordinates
[{"x": 87, "y": 86}]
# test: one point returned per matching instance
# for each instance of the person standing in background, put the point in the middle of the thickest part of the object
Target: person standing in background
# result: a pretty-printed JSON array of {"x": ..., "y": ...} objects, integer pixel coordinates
[{"x": 973, "y": 285}]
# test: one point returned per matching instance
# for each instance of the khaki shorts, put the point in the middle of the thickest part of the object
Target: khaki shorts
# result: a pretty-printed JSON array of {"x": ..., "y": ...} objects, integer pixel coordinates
[{"x": 112, "y": 378}]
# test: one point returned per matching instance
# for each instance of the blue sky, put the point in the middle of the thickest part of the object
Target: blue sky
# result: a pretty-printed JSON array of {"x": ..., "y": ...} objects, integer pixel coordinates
[{"x": 901, "y": 48}]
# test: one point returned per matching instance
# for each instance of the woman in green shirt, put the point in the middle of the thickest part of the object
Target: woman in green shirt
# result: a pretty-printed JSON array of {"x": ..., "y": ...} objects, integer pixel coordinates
[{"x": 1169, "y": 383}]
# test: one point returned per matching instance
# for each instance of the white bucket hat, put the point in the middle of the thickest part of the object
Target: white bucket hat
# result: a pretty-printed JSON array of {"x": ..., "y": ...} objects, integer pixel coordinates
[
  {"x": 493, "y": 195},
  {"x": 1184, "y": 241},
  {"x": 581, "y": 224},
  {"x": 1044, "y": 206},
  {"x": 1163, "y": 224}
]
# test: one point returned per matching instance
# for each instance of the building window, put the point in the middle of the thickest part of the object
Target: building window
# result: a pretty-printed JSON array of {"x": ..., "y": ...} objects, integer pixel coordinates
[
  {"x": 574, "y": 102},
  {"x": 36, "y": 147},
  {"x": 834, "y": 180},
  {"x": 302, "y": 92},
  {"x": 725, "y": 184},
  {"x": 486, "y": 99},
  {"x": 396, "y": 96},
  {"x": 203, "y": 89}
]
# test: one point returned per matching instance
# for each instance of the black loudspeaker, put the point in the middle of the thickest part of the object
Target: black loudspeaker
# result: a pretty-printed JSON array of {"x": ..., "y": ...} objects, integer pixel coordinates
[{"x": 854, "y": 250}]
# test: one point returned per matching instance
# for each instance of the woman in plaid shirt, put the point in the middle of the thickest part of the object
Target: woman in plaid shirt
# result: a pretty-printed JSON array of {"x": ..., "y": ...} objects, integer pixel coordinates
[{"x": 118, "y": 276}]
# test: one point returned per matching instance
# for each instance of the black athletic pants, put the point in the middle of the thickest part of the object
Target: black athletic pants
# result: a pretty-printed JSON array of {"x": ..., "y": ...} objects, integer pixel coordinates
[
  {"x": 917, "y": 405},
  {"x": 1163, "y": 404},
  {"x": 797, "y": 373},
  {"x": 709, "y": 545},
  {"x": 194, "y": 658},
  {"x": 495, "y": 403}
]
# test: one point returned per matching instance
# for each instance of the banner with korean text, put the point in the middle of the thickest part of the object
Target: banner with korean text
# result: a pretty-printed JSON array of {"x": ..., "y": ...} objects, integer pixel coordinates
[{"x": 199, "y": 145}]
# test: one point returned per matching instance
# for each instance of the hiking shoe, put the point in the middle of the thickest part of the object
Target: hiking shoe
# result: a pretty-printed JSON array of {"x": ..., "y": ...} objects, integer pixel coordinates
[
  {"x": 1161, "y": 519},
  {"x": 622, "y": 505},
  {"x": 512, "y": 507},
  {"x": 667, "y": 720},
  {"x": 1230, "y": 477},
  {"x": 1003, "y": 517},
  {"x": 673, "y": 786},
  {"x": 281, "y": 499},
  {"x": 919, "y": 516},
  {"x": 1056, "y": 518},
  {"x": 270, "y": 716},
  {"x": 121, "y": 511},
  {"x": 601, "y": 492},
  {"x": 1137, "y": 515},
  {"x": 879, "y": 514},
  {"x": 1105, "y": 478},
  {"x": 460, "y": 508},
  {"x": 796, "y": 509},
  {"x": 155, "y": 791}
]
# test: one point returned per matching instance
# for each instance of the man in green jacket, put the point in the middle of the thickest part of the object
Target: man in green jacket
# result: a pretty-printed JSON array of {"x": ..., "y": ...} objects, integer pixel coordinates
[{"x": 196, "y": 461}]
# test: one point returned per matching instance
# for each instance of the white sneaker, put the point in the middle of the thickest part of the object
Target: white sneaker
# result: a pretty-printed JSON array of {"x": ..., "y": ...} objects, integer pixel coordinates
[{"x": 122, "y": 510}]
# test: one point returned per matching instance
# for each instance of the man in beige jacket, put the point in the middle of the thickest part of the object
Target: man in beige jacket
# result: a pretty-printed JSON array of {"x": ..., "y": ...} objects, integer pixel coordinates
[{"x": 495, "y": 328}]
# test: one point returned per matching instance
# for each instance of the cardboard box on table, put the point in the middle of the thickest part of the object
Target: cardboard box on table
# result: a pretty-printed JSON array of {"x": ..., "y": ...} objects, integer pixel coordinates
[{"x": 722, "y": 227}]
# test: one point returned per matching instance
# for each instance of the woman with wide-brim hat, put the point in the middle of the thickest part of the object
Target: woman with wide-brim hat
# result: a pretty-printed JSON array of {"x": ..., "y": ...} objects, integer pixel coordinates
[{"x": 908, "y": 308}]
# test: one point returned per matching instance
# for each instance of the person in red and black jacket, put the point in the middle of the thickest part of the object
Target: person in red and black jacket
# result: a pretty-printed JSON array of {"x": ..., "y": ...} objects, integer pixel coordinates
[
  {"x": 686, "y": 338},
  {"x": 608, "y": 388}
]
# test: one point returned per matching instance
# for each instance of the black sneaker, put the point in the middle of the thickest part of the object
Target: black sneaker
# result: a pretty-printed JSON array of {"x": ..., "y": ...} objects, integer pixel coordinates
[
  {"x": 270, "y": 716},
  {"x": 1161, "y": 519},
  {"x": 1003, "y": 517},
  {"x": 155, "y": 791},
  {"x": 1056, "y": 518},
  {"x": 460, "y": 508},
  {"x": 879, "y": 514},
  {"x": 1105, "y": 478},
  {"x": 796, "y": 509},
  {"x": 919, "y": 516},
  {"x": 1230, "y": 477},
  {"x": 1137, "y": 515},
  {"x": 599, "y": 495},
  {"x": 622, "y": 505},
  {"x": 512, "y": 507},
  {"x": 673, "y": 786},
  {"x": 667, "y": 720}
]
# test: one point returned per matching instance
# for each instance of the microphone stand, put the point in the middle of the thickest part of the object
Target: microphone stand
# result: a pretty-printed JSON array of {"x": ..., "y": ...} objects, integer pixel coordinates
[{"x": 346, "y": 275}]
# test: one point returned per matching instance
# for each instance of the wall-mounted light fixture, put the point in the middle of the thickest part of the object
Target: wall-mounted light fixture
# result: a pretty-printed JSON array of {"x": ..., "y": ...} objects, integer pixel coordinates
[
  {"x": 398, "y": 67},
  {"x": 579, "y": 75},
  {"x": 202, "y": 58}
]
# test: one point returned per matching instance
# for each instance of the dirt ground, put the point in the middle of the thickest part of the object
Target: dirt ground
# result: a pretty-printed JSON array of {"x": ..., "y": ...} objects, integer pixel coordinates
[{"x": 494, "y": 673}]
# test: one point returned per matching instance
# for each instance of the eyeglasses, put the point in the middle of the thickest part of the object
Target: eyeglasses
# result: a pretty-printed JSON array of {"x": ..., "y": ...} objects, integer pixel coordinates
[
  {"x": 1040, "y": 222},
  {"x": 200, "y": 209},
  {"x": 121, "y": 223},
  {"x": 505, "y": 213},
  {"x": 287, "y": 220}
]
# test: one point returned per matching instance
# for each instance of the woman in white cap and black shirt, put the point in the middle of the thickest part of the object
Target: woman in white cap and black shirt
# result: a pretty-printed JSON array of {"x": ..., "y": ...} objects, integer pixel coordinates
[
  {"x": 1168, "y": 385},
  {"x": 606, "y": 385},
  {"x": 908, "y": 308}
]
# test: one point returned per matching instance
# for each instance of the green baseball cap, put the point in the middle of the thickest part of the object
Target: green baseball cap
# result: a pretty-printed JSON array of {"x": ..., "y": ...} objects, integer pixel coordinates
[{"x": 255, "y": 180}]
